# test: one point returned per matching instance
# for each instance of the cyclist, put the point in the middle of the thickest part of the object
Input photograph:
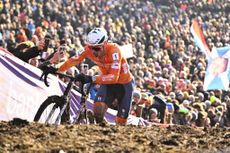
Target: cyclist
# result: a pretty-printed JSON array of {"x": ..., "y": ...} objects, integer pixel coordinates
[{"x": 116, "y": 80}]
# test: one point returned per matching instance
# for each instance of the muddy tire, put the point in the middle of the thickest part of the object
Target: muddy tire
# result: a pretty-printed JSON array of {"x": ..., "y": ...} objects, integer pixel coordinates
[{"x": 55, "y": 102}]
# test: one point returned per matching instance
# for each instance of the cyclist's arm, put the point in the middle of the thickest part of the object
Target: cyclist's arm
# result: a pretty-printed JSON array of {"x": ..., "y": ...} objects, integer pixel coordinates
[
  {"x": 75, "y": 60},
  {"x": 114, "y": 72}
]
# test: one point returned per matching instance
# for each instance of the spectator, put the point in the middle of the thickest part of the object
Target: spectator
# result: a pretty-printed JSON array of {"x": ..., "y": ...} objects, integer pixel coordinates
[
  {"x": 153, "y": 116},
  {"x": 135, "y": 101},
  {"x": 26, "y": 50}
]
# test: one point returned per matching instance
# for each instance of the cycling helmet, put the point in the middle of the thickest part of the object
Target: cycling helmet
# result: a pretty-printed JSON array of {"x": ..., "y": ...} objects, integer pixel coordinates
[{"x": 97, "y": 36}]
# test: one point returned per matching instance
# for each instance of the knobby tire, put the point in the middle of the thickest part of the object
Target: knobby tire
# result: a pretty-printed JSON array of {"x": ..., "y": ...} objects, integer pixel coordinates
[{"x": 56, "y": 100}]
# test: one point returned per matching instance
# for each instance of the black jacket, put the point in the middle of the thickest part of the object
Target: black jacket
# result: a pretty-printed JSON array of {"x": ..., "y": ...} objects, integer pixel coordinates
[{"x": 28, "y": 54}]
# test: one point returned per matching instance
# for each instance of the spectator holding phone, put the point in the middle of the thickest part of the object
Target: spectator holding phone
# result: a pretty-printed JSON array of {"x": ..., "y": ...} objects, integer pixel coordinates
[{"x": 27, "y": 50}]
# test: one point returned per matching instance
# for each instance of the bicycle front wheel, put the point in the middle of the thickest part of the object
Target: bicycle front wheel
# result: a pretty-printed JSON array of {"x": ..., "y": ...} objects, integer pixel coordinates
[{"x": 49, "y": 110}]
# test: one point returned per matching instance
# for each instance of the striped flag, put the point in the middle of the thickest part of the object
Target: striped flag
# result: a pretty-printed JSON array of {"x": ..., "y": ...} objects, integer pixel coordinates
[{"x": 198, "y": 37}]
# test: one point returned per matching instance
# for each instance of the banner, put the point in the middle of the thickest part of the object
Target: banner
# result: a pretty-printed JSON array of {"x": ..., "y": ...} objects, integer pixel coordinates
[
  {"x": 22, "y": 92},
  {"x": 218, "y": 73},
  {"x": 127, "y": 51}
]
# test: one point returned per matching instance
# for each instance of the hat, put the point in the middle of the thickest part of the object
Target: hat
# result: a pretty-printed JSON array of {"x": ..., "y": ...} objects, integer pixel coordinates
[
  {"x": 179, "y": 93},
  {"x": 186, "y": 102},
  {"x": 200, "y": 96},
  {"x": 172, "y": 95},
  {"x": 144, "y": 96},
  {"x": 194, "y": 115},
  {"x": 170, "y": 106},
  {"x": 186, "y": 94},
  {"x": 191, "y": 98},
  {"x": 199, "y": 65},
  {"x": 137, "y": 93},
  {"x": 213, "y": 99},
  {"x": 207, "y": 102},
  {"x": 153, "y": 110}
]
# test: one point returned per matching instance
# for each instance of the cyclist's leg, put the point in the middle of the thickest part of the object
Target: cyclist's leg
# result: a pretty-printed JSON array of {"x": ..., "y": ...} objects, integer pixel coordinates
[
  {"x": 102, "y": 102},
  {"x": 125, "y": 103}
]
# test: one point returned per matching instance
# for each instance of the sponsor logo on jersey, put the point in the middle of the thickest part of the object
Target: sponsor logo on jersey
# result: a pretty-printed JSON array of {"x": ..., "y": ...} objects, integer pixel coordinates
[
  {"x": 115, "y": 65},
  {"x": 107, "y": 78}
]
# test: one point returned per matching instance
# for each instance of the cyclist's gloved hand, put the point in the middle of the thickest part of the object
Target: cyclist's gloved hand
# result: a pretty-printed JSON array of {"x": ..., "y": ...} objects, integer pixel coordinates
[
  {"x": 84, "y": 78},
  {"x": 46, "y": 71}
]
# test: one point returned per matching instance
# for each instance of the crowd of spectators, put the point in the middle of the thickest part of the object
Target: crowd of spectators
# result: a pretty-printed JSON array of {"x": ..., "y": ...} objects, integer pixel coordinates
[{"x": 169, "y": 69}]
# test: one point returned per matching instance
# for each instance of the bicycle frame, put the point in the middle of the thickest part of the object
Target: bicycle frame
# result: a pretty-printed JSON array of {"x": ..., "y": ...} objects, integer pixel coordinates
[
  {"x": 63, "y": 101},
  {"x": 83, "y": 110}
]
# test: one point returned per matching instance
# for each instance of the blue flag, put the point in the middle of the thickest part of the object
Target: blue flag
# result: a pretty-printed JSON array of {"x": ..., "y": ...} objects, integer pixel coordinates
[{"x": 217, "y": 73}]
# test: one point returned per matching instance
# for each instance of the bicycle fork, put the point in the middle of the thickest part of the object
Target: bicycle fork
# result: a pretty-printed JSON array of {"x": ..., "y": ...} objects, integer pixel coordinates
[
  {"x": 82, "y": 113},
  {"x": 64, "y": 107}
]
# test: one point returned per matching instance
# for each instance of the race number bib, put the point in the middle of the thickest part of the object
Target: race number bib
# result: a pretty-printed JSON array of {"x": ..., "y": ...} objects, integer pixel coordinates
[{"x": 115, "y": 56}]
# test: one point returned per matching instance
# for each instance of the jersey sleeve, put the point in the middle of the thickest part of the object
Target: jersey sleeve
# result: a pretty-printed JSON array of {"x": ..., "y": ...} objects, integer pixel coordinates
[
  {"x": 75, "y": 60},
  {"x": 112, "y": 75}
]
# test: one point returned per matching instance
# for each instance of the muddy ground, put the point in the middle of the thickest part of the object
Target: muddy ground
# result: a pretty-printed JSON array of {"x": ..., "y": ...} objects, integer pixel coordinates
[{"x": 22, "y": 136}]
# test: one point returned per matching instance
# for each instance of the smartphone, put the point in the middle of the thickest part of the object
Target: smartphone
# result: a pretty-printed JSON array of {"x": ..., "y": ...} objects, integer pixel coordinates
[
  {"x": 47, "y": 42},
  {"x": 62, "y": 50},
  {"x": 84, "y": 68}
]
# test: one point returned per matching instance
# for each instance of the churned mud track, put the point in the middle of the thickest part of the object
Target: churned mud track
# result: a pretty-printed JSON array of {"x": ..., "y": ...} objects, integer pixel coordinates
[{"x": 22, "y": 136}]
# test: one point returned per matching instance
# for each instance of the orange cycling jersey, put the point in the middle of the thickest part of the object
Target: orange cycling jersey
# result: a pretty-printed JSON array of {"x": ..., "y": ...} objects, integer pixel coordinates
[{"x": 113, "y": 65}]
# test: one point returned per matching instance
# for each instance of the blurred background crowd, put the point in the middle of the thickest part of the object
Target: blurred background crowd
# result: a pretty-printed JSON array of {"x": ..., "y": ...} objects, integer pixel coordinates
[{"x": 169, "y": 69}]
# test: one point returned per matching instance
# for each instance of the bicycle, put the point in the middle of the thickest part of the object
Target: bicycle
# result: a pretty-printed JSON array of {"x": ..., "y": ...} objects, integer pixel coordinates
[{"x": 60, "y": 106}]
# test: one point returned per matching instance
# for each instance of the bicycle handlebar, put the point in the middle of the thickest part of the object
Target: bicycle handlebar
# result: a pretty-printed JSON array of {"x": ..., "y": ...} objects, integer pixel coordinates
[
  {"x": 65, "y": 75},
  {"x": 60, "y": 74}
]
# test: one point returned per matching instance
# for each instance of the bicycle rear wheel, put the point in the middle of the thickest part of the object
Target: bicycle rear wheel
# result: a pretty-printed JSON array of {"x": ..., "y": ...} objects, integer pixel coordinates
[{"x": 49, "y": 110}]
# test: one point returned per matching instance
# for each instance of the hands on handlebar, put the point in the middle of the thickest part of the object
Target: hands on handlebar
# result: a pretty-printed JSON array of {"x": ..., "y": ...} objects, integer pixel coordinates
[
  {"x": 51, "y": 70},
  {"x": 84, "y": 78},
  {"x": 46, "y": 71}
]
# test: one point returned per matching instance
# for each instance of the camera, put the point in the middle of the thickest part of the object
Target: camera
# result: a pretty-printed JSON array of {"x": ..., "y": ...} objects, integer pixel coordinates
[
  {"x": 84, "y": 68},
  {"x": 47, "y": 42}
]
